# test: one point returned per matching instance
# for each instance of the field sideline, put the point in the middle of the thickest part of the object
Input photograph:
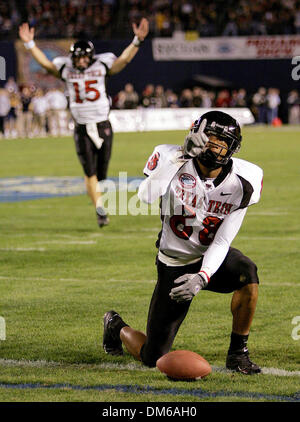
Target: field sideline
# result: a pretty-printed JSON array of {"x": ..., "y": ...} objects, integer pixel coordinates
[{"x": 59, "y": 274}]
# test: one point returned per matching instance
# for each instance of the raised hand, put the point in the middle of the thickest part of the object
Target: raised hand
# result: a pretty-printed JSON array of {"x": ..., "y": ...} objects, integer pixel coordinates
[
  {"x": 142, "y": 30},
  {"x": 26, "y": 34},
  {"x": 195, "y": 143}
]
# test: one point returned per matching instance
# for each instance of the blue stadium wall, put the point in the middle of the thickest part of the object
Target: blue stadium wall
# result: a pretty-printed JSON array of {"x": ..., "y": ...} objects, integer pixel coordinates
[{"x": 249, "y": 74}]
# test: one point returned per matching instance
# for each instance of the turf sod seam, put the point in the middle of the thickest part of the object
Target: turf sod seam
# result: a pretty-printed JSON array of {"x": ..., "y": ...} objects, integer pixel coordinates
[{"x": 136, "y": 389}]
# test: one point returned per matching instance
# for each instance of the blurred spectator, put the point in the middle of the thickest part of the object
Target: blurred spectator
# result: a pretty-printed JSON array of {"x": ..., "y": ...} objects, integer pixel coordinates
[
  {"x": 147, "y": 99},
  {"x": 238, "y": 98},
  {"x": 197, "y": 97},
  {"x": 208, "y": 98},
  {"x": 26, "y": 112},
  {"x": 11, "y": 85},
  {"x": 231, "y": 27},
  {"x": 23, "y": 114},
  {"x": 112, "y": 18},
  {"x": 119, "y": 100},
  {"x": 172, "y": 99},
  {"x": 186, "y": 98},
  {"x": 273, "y": 102},
  {"x": 57, "y": 108},
  {"x": 4, "y": 109},
  {"x": 13, "y": 117},
  {"x": 128, "y": 98},
  {"x": 259, "y": 101},
  {"x": 297, "y": 18},
  {"x": 163, "y": 23},
  {"x": 293, "y": 102},
  {"x": 39, "y": 105},
  {"x": 223, "y": 98},
  {"x": 160, "y": 97},
  {"x": 131, "y": 99}
]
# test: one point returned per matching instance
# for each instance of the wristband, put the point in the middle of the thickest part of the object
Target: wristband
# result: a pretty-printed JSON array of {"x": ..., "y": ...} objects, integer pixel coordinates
[
  {"x": 29, "y": 45},
  {"x": 205, "y": 276},
  {"x": 136, "y": 42}
]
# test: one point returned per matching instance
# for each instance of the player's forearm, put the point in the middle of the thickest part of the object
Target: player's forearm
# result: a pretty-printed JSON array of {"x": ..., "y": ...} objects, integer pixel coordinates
[
  {"x": 217, "y": 251},
  {"x": 42, "y": 59},
  {"x": 125, "y": 58}
]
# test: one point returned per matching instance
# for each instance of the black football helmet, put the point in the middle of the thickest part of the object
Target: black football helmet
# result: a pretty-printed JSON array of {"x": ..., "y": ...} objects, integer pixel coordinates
[
  {"x": 227, "y": 129},
  {"x": 82, "y": 48}
]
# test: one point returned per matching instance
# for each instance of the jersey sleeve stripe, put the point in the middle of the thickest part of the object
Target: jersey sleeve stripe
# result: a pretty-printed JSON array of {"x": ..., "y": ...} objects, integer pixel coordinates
[
  {"x": 61, "y": 71},
  {"x": 247, "y": 192}
]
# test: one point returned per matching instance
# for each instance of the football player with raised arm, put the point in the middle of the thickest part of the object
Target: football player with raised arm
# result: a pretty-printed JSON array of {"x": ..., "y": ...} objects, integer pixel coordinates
[
  {"x": 85, "y": 73},
  {"x": 204, "y": 197}
]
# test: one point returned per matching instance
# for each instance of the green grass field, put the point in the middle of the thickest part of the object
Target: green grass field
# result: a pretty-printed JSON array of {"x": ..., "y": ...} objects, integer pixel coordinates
[{"x": 59, "y": 274}]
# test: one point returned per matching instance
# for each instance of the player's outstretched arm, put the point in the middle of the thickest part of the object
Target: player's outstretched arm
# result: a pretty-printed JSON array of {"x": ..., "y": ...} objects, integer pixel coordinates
[
  {"x": 27, "y": 36},
  {"x": 140, "y": 33}
]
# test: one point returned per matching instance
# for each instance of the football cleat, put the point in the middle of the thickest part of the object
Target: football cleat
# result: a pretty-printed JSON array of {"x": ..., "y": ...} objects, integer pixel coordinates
[
  {"x": 112, "y": 344},
  {"x": 102, "y": 218},
  {"x": 239, "y": 361}
]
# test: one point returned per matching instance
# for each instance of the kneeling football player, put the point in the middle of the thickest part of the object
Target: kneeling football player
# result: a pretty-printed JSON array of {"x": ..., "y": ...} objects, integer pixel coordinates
[{"x": 204, "y": 195}]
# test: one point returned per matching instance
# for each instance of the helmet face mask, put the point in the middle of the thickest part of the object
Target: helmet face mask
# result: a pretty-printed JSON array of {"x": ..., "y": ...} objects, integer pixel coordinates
[
  {"x": 82, "y": 49},
  {"x": 224, "y": 128}
]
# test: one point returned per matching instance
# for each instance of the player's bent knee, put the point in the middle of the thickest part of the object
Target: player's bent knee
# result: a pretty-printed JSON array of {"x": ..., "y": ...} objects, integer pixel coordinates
[{"x": 248, "y": 271}]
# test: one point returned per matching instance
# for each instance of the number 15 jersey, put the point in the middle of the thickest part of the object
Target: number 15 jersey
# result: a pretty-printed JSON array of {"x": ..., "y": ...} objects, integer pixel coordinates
[
  {"x": 89, "y": 102},
  {"x": 199, "y": 216}
]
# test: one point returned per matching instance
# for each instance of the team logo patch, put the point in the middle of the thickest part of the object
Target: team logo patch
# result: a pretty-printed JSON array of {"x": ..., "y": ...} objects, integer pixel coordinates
[
  {"x": 187, "y": 180},
  {"x": 153, "y": 160}
]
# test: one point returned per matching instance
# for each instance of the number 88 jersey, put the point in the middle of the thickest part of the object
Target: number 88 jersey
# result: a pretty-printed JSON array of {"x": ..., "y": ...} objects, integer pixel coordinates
[
  {"x": 194, "y": 208},
  {"x": 89, "y": 102}
]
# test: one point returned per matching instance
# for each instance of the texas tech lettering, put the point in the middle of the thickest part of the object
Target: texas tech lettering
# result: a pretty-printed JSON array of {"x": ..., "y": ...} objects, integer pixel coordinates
[{"x": 218, "y": 207}]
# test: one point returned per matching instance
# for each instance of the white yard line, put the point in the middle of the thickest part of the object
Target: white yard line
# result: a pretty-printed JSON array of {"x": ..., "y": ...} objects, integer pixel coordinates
[
  {"x": 12, "y": 363},
  {"x": 23, "y": 249},
  {"x": 115, "y": 280},
  {"x": 67, "y": 242},
  {"x": 269, "y": 238}
]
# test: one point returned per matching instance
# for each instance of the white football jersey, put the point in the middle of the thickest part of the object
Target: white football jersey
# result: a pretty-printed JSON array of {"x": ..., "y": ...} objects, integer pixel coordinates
[
  {"x": 194, "y": 208},
  {"x": 89, "y": 102}
]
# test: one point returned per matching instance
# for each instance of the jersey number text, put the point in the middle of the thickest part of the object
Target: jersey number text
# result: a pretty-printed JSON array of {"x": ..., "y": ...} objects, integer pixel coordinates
[{"x": 88, "y": 88}]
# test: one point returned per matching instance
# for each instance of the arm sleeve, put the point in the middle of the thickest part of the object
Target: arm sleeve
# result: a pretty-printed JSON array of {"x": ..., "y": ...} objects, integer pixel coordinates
[
  {"x": 107, "y": 59},
  {"x": 60, "y": 63},
  {"x": 217, "y": 251},
  {"x": 160, "y": 168}
]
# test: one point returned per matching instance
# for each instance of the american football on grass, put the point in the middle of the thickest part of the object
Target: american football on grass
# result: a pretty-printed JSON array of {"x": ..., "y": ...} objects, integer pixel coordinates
[{"x": 183, "y": 365}]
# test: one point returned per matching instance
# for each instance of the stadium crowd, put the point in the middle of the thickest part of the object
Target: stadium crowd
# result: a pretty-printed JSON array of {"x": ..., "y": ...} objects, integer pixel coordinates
[
  {"x": 112, "y": 18},
  {"x": 28, "y": 111}
]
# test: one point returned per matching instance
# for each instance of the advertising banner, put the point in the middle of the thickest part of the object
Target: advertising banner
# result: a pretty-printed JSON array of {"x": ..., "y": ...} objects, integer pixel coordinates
[
  {"x": 227, "y": 48},
  {"x": 146, "y": 119}
]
